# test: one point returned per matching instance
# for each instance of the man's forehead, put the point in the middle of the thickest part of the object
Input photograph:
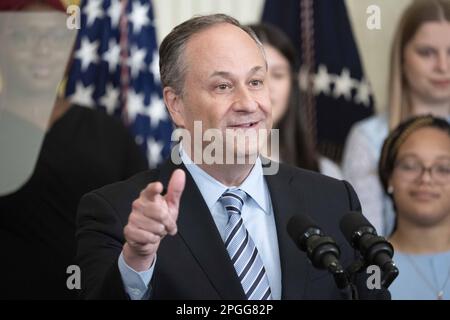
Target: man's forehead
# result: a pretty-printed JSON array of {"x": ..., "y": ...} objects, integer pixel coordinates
[
  {"x": 221, "y": 36},
  {"x": 218, "y": 30},
  {"x": 224, "y": 45},
  {"x": 228, "y": 74}
]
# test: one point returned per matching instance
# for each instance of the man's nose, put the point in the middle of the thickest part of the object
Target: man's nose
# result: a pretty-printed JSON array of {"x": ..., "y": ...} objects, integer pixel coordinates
[{"x": 245, "y": 101}]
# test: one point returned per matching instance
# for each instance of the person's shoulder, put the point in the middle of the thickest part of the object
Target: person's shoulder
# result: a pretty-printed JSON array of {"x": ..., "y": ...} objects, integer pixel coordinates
[
  {"x": 327, "y": 199},
  {"x": 94, "y": 122},
  {"x": 315, "y": 185},
  {"x": 287, "y": 171},
  {"x": 107, "y": 132},
  {"x": 329, "y": 168},
  {"x": 376, "y": 124},
  {"x": 96, "y": 116},
  {"x": 369, "y": 132}
]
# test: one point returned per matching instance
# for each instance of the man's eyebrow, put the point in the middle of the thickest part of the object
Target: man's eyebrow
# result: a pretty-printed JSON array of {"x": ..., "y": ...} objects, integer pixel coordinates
[
  {"x": 256, "y": 69},
  {"x": 226, "y": 74}
]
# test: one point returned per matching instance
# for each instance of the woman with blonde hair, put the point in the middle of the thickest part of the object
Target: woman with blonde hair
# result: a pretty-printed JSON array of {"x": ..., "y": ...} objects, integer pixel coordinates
[{"x": 419, "y": 83}]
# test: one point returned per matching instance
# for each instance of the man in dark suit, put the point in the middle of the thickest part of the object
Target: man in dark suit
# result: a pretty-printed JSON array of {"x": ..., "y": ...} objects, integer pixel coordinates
[{"x": 202, "y": 229}]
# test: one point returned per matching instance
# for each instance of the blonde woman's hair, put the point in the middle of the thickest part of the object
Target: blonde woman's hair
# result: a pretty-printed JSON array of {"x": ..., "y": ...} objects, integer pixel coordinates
[{"x": 418, "y": 13}]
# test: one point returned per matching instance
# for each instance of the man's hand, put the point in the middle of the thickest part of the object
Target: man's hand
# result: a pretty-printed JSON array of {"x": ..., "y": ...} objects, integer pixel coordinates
[{"x": 153, "y": 216}]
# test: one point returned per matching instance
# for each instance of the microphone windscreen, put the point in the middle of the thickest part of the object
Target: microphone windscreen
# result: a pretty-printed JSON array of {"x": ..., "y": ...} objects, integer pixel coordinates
[
  {"x": 298, "y": 225},
  {"x": 352, "y": 222}
]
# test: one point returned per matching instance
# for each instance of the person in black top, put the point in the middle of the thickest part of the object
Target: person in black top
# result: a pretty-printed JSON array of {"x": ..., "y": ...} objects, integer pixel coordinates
[{"x": 83, "y": 149}]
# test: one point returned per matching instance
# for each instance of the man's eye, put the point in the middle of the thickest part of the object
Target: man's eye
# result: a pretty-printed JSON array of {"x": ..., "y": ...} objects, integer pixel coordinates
[
  {"x": 256, "y": 83},
  {"x": 223, "y": 86}
]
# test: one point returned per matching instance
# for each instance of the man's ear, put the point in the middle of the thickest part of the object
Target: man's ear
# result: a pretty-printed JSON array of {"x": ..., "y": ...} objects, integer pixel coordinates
[{"x": 175, "y": 106}]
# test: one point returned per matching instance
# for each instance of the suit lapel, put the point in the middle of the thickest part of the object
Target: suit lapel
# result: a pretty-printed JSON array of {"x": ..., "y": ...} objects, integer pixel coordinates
[
  {"x": 287, "y": 203},
  {"x": 199, "y": 232}
]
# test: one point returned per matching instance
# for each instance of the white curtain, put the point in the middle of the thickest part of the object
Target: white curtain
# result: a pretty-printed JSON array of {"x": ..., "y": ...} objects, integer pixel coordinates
[{"x": 169, "y": 13}]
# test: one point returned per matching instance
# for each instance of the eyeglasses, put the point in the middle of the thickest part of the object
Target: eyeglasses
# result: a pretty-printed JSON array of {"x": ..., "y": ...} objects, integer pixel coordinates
[{"x": 411, "y": 170}]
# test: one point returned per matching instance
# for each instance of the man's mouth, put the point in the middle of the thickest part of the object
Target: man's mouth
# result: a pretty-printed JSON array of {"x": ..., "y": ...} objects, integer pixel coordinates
[{"x": 244, "y": 125}]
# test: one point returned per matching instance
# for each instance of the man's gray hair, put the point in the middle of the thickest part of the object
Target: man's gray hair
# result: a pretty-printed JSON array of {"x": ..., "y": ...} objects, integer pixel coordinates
[{"x": 172, "y": 64}]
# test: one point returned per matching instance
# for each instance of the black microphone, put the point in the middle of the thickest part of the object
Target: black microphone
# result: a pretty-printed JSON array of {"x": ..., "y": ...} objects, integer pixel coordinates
[
  {"x": 375, "y": 249},
  {"x": 322, "y": 251}
]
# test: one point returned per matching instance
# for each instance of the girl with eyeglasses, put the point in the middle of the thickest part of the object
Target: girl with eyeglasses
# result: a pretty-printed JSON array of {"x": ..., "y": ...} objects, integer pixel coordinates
[{"x": 414, "y": 170}]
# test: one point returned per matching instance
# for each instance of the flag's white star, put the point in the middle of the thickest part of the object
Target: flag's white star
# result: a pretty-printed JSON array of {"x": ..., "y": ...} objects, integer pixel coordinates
[
  {"x": 93, "y": 10},
  {"x": 154, "y": 149},
  {"x": 136, "y": 60},
  {"x": 83, "y": 95},
  {"x": 112, "y": 56},
  {"x": 114, "y": 12},
  {"x": 139, "y": 16},
  {"x": 322, "y": 81},
  {"x": 363, "y": 93},
  {"x": 135, "y": 105},
  {"x": 157, "y": 110},
  {"x": 87, "y": 53},
  {"x": 343, "y": 85},
  {"x": 154, "y": 68},
  {"x": 110, "y": 99}
]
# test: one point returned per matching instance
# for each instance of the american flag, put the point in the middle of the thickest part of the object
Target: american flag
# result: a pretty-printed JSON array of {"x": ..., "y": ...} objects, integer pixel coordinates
[{"x": 115, "y": 68}]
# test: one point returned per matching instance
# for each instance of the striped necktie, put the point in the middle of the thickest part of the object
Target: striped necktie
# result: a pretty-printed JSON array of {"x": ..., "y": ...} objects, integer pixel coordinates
[{"x": 241, "y": 249}]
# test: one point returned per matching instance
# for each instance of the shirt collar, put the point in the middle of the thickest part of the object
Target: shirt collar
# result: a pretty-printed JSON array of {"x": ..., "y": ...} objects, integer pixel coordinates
[{"x": 212, "y": 189}]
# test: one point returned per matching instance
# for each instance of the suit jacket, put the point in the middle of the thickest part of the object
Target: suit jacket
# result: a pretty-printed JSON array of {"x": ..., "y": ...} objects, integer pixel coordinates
[{"x": 194, "y": 264}]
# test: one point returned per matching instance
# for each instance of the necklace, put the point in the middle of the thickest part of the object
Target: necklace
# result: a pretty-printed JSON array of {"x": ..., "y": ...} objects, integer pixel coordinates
[{"x": 435, "y": 289}]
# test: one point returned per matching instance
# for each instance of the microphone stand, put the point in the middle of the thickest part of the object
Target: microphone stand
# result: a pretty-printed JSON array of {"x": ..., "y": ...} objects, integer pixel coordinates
[
  {"x": 390, "y": 272},
  {"x": 351, "y": 271},
  {"x": 343, "y": 282}
]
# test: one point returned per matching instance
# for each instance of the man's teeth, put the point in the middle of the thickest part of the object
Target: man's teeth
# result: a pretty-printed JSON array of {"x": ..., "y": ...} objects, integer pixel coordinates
[{"x": 246, "y": 125}]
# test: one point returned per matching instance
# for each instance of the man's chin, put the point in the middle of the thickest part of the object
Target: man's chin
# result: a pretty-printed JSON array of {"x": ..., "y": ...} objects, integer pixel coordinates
[{"x": 246, "y": 155}]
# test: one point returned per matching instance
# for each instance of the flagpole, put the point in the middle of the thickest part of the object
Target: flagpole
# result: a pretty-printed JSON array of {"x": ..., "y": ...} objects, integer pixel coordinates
[{"x": 124, "y": 68}]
